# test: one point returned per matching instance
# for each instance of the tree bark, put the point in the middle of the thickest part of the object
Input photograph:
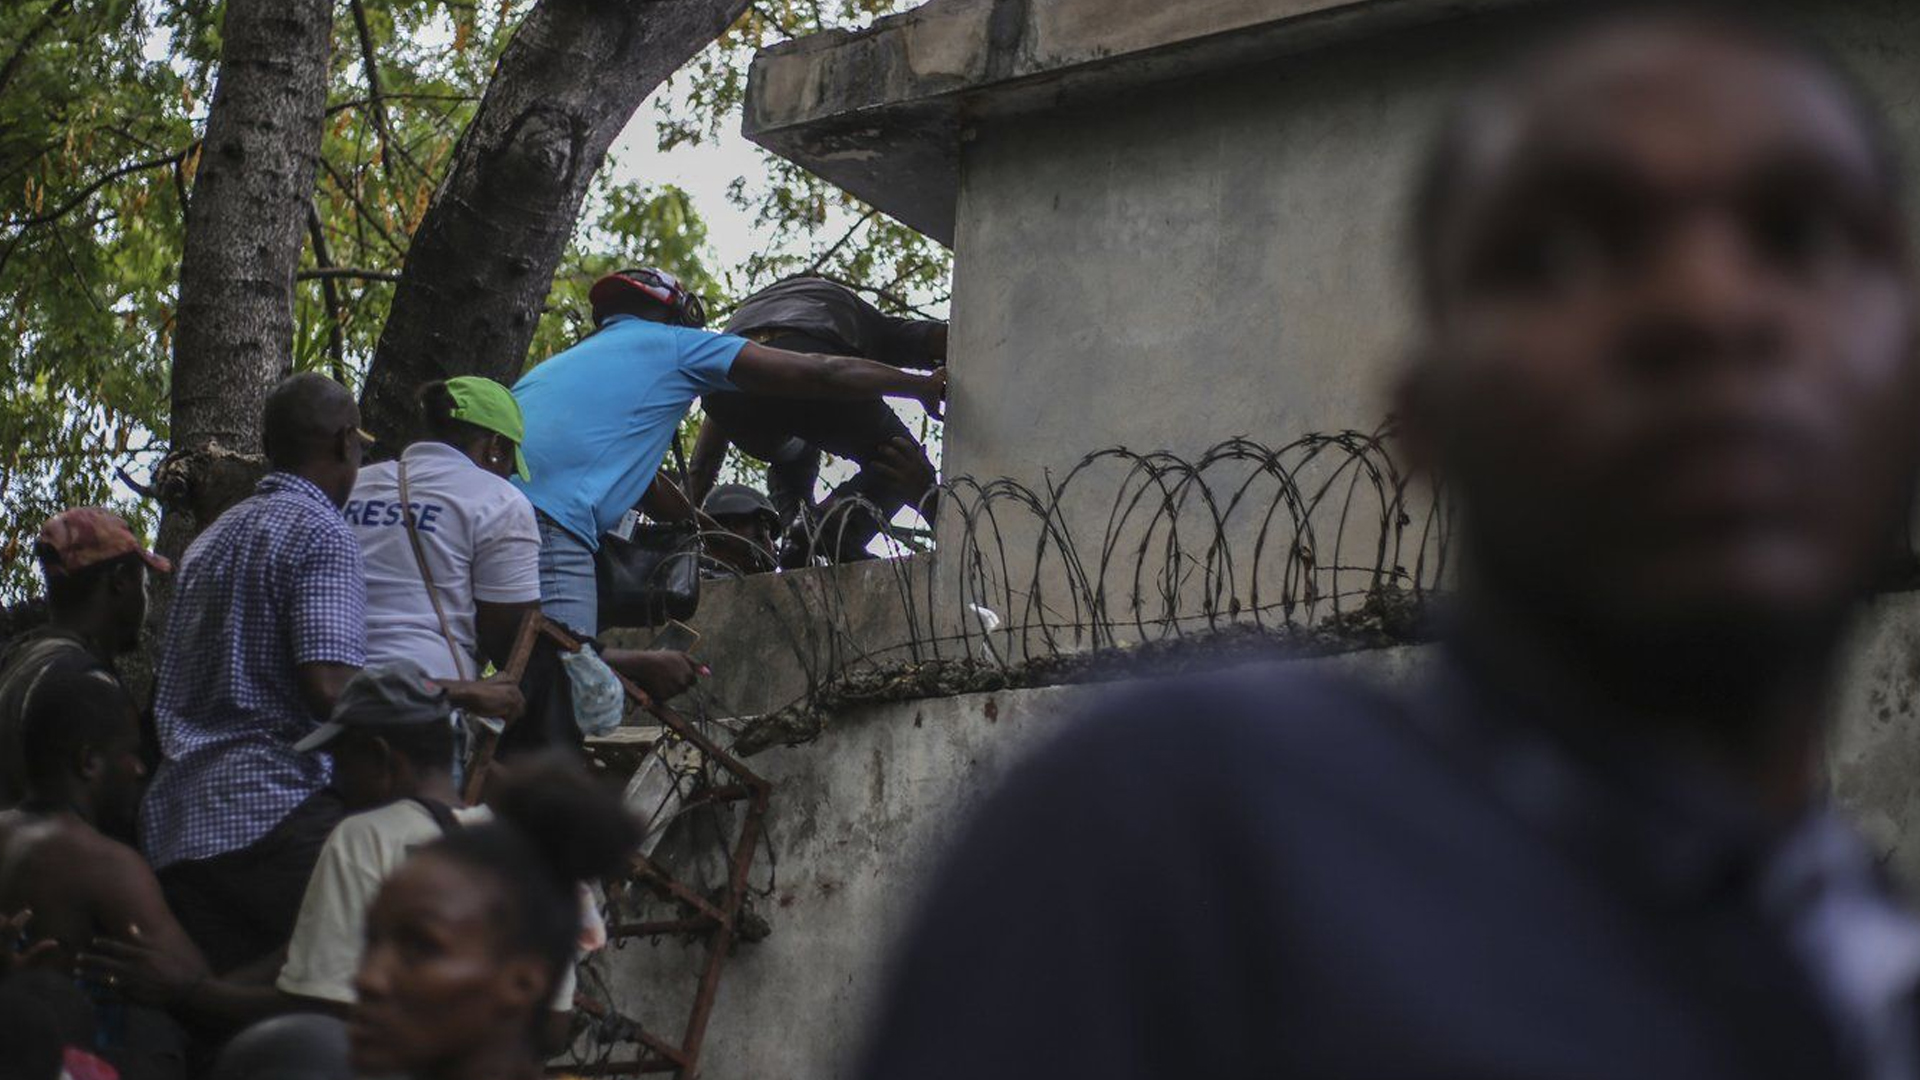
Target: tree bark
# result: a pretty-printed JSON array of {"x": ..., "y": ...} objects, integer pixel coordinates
[
  {"x": 245, "y": 223},
  {"x": 483, "y": 258}
]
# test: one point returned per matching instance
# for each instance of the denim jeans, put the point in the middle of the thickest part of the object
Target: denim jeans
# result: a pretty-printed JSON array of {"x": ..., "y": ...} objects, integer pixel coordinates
[{"x": 568, "y": 588}]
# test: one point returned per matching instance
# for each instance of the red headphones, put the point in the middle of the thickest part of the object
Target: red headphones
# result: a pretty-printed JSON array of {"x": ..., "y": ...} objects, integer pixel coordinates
[{"x": 686, "y": 308}]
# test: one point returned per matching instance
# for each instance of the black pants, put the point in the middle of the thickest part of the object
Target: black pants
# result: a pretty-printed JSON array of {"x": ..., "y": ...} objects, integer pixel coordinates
[
  {"x": 241, "y": 905},
  {"x": 766, "y": 427}
]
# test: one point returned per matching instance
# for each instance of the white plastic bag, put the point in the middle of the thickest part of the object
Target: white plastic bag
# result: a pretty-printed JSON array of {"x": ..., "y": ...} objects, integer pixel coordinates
[{"x": 599, "y": 702}]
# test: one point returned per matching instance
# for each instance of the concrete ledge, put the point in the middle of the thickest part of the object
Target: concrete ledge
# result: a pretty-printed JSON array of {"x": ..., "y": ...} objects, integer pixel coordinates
[
  {"x": 882, "y": 112},
  {"x": 768, "y": 637}
]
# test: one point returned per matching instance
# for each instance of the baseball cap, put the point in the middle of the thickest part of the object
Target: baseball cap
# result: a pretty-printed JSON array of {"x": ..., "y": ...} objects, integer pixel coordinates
[
  {"x": 486, "y": 404},
  {"x": 73, "y": 540},
  {"x": 731, "y": 500},
  {"x": 394, "y": 693}
]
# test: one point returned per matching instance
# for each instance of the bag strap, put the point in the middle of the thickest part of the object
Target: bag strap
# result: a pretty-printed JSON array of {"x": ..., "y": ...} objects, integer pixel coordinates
[
  {"x": 680, "y": 461},
  {"x": 440, "y": 812},
  {"x": 426, "y": 575}
]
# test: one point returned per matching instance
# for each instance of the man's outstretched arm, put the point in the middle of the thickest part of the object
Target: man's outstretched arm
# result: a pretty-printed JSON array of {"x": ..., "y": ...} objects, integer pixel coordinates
[
  {"x": 776, "y": 372},
  {"x": 703, "y": 465}
]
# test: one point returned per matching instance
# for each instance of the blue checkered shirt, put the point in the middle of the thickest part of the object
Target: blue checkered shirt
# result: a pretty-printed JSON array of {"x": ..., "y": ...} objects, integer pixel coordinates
[{"x": 274, "y": 583}]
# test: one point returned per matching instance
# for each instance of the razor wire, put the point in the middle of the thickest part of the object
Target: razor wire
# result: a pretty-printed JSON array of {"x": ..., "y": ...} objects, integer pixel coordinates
[{"x": 1126, "y": 554}]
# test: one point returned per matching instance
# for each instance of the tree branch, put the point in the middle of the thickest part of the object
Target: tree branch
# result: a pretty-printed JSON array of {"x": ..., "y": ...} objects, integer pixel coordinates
[
  {"x": 899, "y": 302},
  {"x": 377, "y": 97},
  {"x": 336, "y": 340},
  {"x": 365, "y": 216},
  {"x": 331, "y": 273},
  {"x": 87, "y": 192},
  {"x": 47, "y": 19},
  {"x": 24, "y": 225},
  {"x": 840, "y": 243},
  {"x": 360, "y": 103}
]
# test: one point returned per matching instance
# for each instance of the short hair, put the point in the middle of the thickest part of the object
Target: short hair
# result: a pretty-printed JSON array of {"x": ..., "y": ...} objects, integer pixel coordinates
[
  {"x": 68, "y": 590},
  {"x": 427, "y": 747},
  {"x": 1440, "y": 179},
  {"x": 304, "y": 411},
  {"x": 436, "y": 416},
  {"x": 66, "y": 712}
]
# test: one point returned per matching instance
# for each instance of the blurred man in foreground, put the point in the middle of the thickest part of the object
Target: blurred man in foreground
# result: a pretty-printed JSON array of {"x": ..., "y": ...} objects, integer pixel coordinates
[{"x": 1668, "y": 371}]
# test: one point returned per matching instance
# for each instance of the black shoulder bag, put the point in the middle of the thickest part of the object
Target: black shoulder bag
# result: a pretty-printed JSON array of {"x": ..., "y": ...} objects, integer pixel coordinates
[
  {"x": 652, "y": 576},
  {"x": 440, "y": 812}
]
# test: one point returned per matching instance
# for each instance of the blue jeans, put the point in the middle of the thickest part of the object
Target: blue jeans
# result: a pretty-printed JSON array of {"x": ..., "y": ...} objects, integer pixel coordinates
[{"x": 568, "y": 588}]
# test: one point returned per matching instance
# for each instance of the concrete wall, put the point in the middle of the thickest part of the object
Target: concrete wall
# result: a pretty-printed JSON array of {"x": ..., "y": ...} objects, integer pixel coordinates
[
  {"x": 1873, "y": 752},
  {"x": 859, "y": 818},
  {"x": 1223, "y": 255},
  {"x": 769, "y": 637}
]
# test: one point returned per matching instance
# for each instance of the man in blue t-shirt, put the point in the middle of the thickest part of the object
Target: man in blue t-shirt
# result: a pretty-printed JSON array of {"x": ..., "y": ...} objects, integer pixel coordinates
[{"x": 601, "y": 415}]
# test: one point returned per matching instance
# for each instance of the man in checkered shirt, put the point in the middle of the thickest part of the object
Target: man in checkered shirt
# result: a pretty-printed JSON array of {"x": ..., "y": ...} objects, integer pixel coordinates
[{"x": 267, "y": 625}]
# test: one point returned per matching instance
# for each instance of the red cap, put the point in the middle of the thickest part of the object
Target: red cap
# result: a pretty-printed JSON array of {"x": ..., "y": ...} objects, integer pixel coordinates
[{"x": 73, "y": 540}]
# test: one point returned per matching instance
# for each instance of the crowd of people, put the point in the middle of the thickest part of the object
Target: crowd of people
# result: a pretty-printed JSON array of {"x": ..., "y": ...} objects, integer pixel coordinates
[
  {"x": 1669, "y": 369},
  {"x": 335, "y": 647}
]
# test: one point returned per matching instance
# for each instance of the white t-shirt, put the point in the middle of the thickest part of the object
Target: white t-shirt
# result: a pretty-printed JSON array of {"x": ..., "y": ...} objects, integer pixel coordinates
[
  {"x": 480, "y": 541},
  {"x": 359, "y": 856}
]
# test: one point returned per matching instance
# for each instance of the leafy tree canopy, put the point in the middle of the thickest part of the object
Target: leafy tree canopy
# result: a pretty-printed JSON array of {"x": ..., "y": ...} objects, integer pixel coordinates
[{"x": 101, "y": 103}]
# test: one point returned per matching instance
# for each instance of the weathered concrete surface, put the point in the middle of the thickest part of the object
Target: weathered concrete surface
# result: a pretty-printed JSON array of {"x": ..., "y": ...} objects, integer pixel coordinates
[
  {"x": 882, "y": 112},
  {"x": 1873, "y": 752},
  {"x": 860, "y": 817},
  {"x": 1226, "y": 255},
  {"x": 857, "y": 821},
  {"x": 765, "y": 636}
]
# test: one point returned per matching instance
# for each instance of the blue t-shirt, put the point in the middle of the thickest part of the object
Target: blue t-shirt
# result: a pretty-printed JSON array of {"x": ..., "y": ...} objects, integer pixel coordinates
[{"x": 599, "y": 416}]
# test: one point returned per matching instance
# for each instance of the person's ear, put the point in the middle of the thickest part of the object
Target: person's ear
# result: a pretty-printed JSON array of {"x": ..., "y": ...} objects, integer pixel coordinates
[
  {"x": 346, "y": 445},
  {"x": 390, "y": 762},
  {"x": 526, "y": 983},
  {"x": 89, "y": 762},
  {"x": 130, "y": 577}
]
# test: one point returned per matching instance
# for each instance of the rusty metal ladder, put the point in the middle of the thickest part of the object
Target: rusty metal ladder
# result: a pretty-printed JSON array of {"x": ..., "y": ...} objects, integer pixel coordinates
[{"x": 713, "y": 922}]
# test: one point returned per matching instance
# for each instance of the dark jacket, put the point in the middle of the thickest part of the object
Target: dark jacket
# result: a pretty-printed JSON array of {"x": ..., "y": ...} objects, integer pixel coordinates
[
  {"x": 1278, "y": 874},
  {"x": 837, "y": 316}
]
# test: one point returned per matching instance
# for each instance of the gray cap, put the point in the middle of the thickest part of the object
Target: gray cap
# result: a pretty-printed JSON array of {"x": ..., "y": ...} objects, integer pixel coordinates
[
  {"x": 395, "y": 693},
  {"x": 301, "y": 1046},
  {"x": 730, "y": 500}
]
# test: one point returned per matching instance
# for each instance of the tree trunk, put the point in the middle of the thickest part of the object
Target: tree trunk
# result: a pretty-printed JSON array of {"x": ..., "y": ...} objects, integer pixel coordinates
[
  {"x": 483, "y": 258},
  {"x": 245, "y": 223}
]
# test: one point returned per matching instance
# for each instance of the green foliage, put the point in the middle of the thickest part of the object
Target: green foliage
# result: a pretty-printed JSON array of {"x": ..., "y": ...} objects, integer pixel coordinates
[
  {"x": 811, "y": 226},
  {"x": 101, "y": 102},
  {"x": 91, "y": 177},
  {"x": 636, "y": 226}
]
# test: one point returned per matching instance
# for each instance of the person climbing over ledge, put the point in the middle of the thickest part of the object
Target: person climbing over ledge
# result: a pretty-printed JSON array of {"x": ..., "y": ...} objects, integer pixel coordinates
[
  {"x": 815, "y": 315},
  {"x": 600, "y": 417}
]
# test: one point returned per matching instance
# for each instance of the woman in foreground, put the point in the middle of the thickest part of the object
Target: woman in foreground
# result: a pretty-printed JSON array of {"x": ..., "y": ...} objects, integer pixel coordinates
[{"x": 466, "y": 941}]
